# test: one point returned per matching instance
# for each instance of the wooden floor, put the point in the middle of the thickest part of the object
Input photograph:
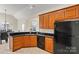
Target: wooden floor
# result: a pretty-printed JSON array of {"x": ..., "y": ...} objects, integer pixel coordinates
[{"x": 4, "y": 49}]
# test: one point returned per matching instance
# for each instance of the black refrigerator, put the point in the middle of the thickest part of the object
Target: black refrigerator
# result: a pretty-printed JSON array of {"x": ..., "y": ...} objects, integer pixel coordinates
[{"x": 66, "y": 36}]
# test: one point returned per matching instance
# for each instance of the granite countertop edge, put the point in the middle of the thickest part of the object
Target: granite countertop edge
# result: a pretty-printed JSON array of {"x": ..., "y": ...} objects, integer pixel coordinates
[{"x": 31, "y": 33}]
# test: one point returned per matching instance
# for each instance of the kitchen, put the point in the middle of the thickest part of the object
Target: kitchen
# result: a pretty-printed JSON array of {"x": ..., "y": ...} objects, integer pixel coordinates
[{"x": 38, "y": 29}]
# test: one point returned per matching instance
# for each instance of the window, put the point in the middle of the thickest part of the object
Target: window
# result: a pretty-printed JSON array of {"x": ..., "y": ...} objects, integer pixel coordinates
[{"x": 22, "y": 27}]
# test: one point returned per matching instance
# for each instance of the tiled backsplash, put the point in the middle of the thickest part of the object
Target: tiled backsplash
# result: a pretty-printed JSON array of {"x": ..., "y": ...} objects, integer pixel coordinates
[{"x": 46, "y": 30}]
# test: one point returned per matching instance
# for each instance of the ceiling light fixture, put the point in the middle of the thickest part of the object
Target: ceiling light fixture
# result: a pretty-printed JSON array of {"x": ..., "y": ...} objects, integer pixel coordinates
[{"x": 32, "y": 6}]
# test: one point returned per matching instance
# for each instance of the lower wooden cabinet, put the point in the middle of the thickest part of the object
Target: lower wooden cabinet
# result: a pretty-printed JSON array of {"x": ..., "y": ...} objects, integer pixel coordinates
[
  {"x": 42, "y": 42},
  {"x": 33, "y": 41},
  {"x": 26, "y": 42},
  {"x": 17, "y": 42},
  {"x": 23, "y": 41},
  {"x": 49, "y": 44}
]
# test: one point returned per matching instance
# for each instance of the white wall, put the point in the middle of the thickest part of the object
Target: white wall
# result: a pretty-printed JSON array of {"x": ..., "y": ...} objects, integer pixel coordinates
[
  {"x": 10, "y": 19},
  {"x": 27, "y": 25}
]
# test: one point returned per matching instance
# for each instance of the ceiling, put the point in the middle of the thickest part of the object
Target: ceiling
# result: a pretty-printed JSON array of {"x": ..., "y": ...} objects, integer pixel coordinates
[{"x": 23, "y": 11}]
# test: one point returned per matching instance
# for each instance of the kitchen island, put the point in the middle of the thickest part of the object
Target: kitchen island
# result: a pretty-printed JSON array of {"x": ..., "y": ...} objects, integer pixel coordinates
[{"x": 44, "y": 41}]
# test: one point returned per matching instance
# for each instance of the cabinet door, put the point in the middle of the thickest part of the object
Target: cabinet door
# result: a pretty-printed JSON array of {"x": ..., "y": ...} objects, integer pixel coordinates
[
  {"x": 46, "y": 21},
  {"x": 33, "y": 41},
  {"x": 71, "y": 12},
  {"x": 17, "y": 42},
  {"x": 27, "y": 41},
  {"x": 59, "y": 15},
  {"x": 41, "y": 21},
  {"x": 49, "y": 44},
  {"x": 51, "y": 21}
]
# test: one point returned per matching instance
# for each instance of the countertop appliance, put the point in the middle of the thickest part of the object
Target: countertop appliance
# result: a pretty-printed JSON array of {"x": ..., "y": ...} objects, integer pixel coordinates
[{"x": 66, "y": 37}]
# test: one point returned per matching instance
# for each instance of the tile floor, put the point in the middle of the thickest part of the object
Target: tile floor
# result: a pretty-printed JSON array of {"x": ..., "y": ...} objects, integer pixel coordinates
[{"x": 4, "y": 49}]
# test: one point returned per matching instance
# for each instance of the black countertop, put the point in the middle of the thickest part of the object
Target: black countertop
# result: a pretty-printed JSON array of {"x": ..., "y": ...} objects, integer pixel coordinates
[{"x": 31, "y": 33}]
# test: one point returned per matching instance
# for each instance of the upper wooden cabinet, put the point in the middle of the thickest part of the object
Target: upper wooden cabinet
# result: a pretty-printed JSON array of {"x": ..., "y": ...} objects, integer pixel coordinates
[
  {"x": 41, "y": 21},
  {"x": 46, "y": 21},
  {"x": 59, "y": 15},
  {"x": 72, "y": 12},
  {"x": 51, "y": 20}
]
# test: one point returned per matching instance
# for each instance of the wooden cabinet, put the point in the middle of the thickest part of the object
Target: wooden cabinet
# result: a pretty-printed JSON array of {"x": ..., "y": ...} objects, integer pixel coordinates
[
  {"x": 72, "y": 12},
  {"x": 27, "y": 41},
  {"x": 46, "y": 21},
  {"x": 17, "y": 42},
  {"x": 51, "y": 21},
  {"x": 60, "y": 15},
  {"x": 41, "y": 21},
  {"x": 49, "y": 44},
  {"x": 24, "y": 41},
  {"x": 33, "y": 41}
]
